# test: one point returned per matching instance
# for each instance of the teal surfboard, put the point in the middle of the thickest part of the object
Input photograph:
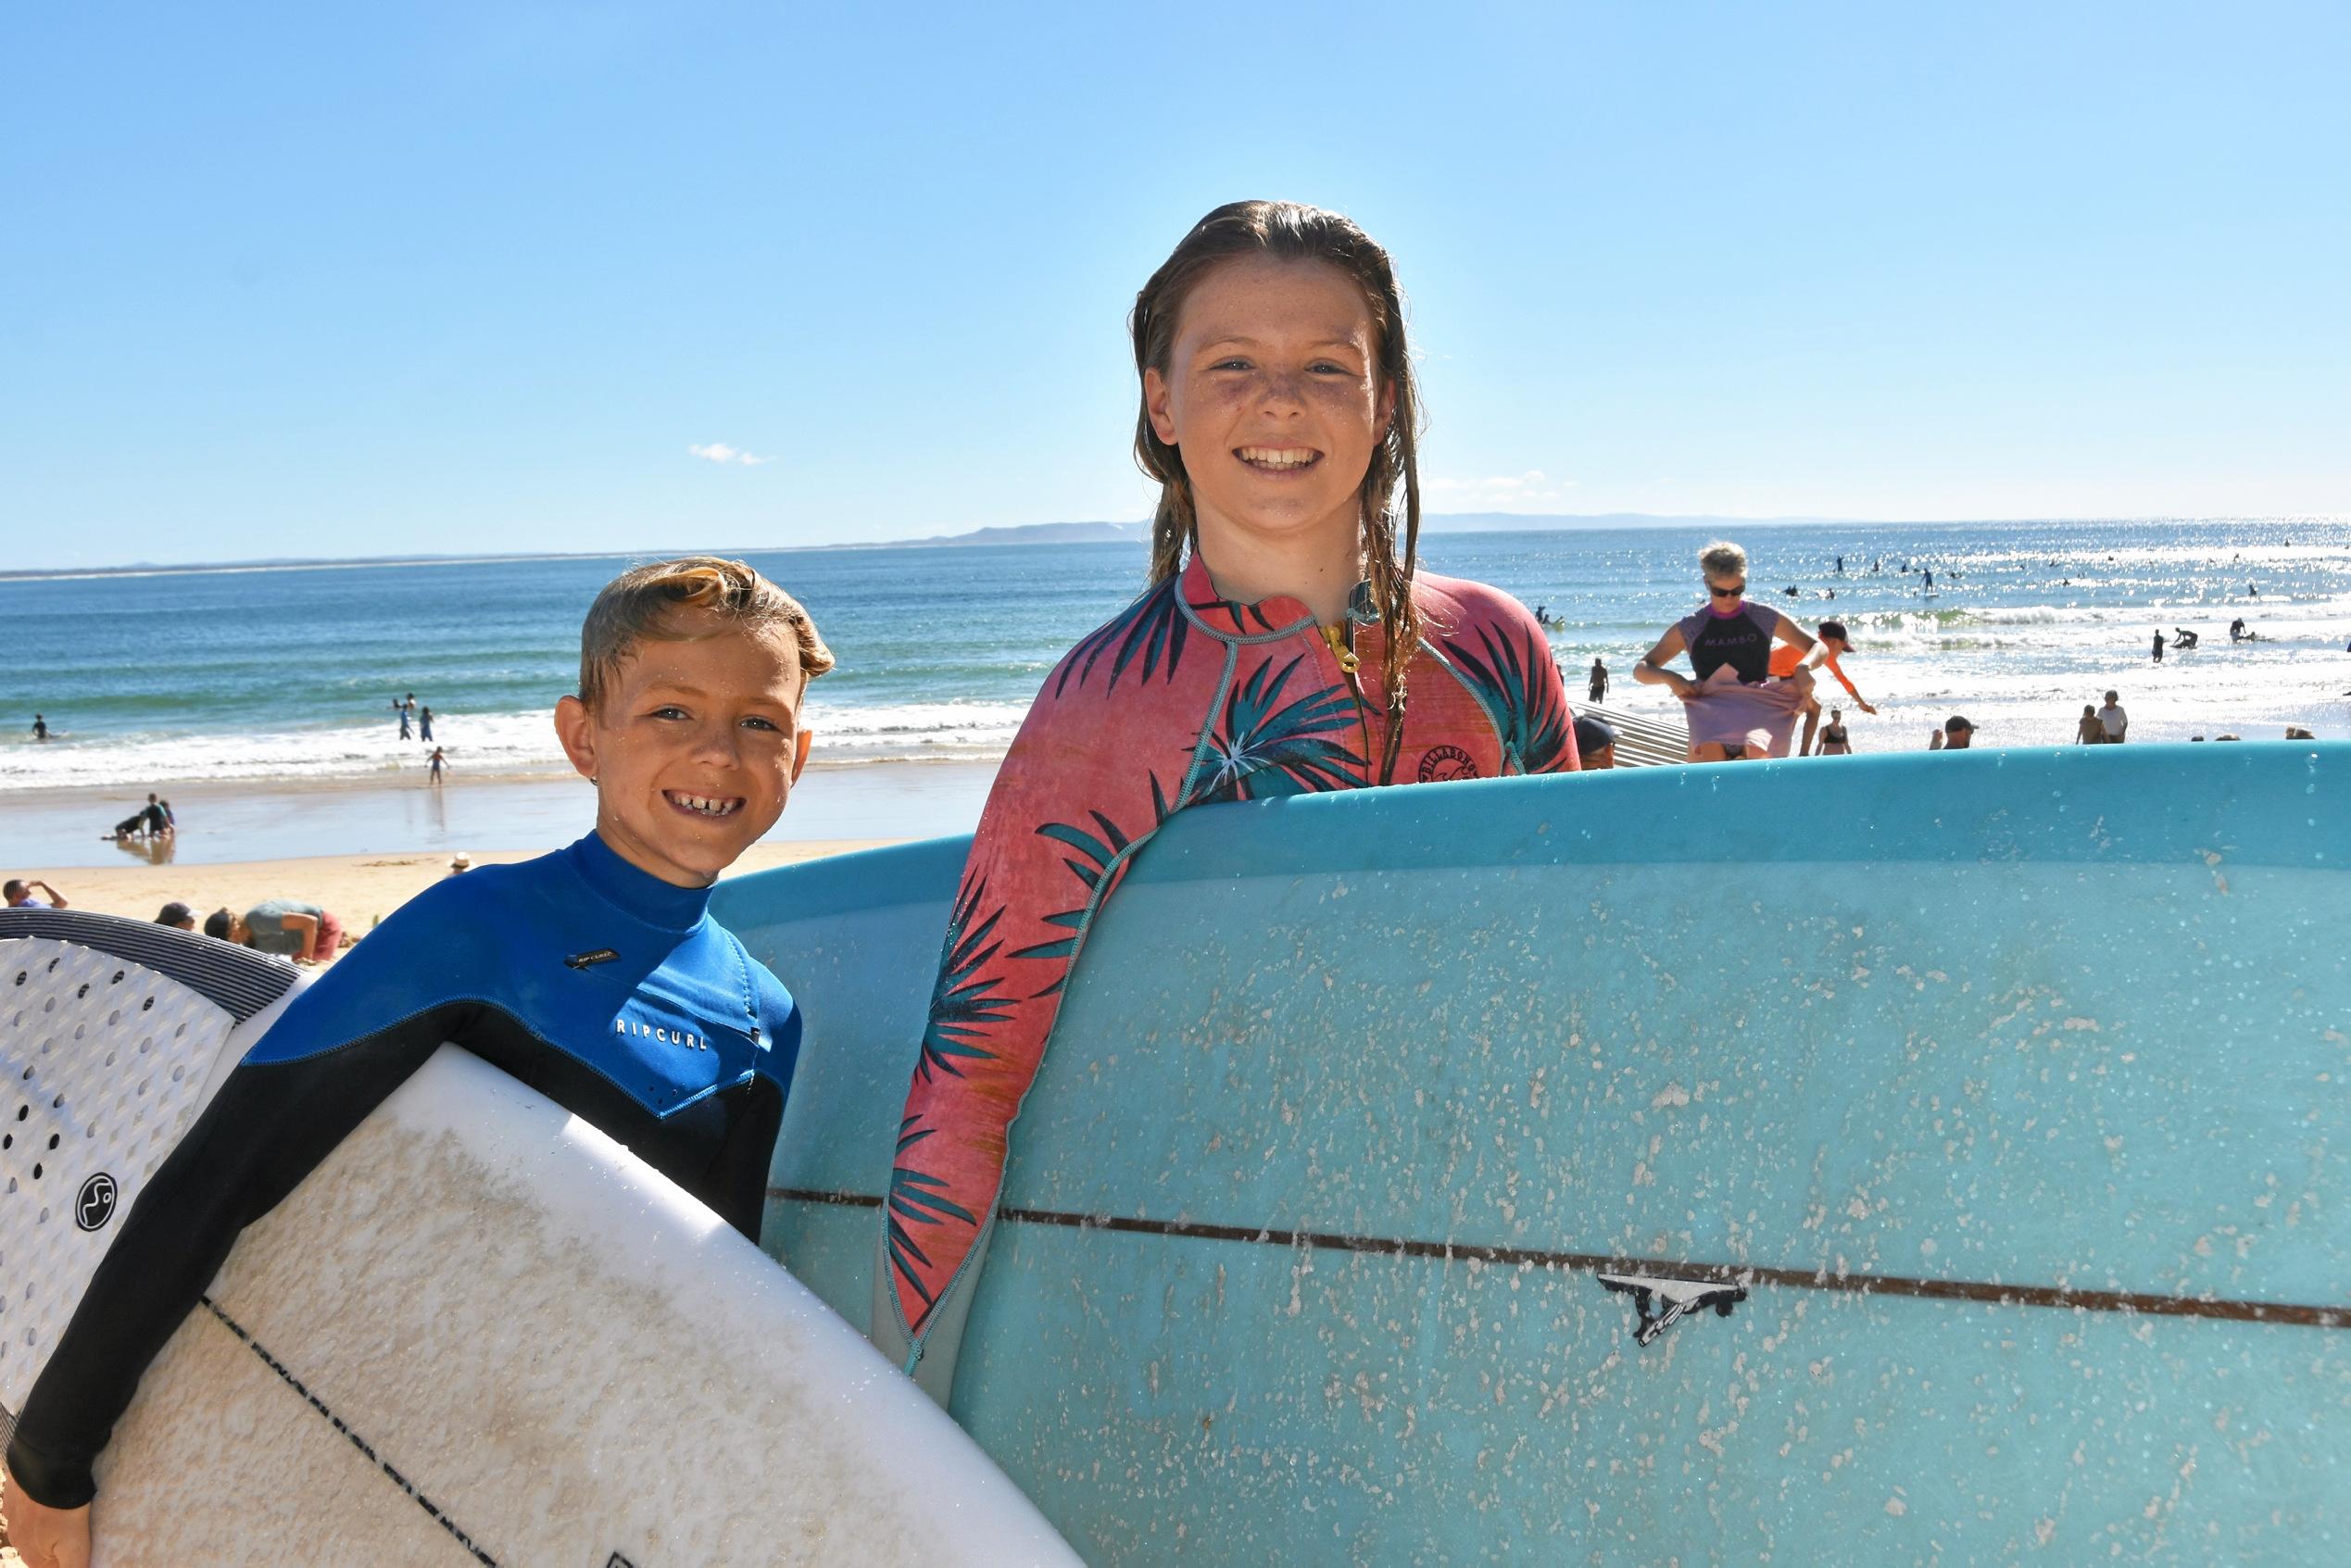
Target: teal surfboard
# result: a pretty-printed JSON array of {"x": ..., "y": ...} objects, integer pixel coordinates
[{"x": 1891, "y": 1159}]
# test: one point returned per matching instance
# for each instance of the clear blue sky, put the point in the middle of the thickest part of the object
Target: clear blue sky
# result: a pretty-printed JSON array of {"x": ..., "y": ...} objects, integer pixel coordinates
[{"x": 333, "y": 280}]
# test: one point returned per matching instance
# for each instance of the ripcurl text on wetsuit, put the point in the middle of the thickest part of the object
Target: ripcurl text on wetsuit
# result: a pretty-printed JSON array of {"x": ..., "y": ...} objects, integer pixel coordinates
[
  {"x": 1183, "y": 699},
  {"x": 607, "y": 989}
]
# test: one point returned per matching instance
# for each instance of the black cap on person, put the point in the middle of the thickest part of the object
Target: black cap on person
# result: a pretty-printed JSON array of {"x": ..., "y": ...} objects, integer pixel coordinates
[{"x": 176, "y": 913}]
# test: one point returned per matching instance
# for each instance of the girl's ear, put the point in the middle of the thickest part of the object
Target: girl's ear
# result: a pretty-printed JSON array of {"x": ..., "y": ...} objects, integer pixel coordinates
[
  {"x": 1155, "y": 403},
  {"x": 1387, "y": 407},
  {"x": 575, "y": 727},
  {"x": 799, "y": 757}
]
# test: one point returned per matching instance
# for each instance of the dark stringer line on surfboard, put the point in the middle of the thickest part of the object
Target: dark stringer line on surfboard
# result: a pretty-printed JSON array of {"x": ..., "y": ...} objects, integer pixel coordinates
[
  {"x": 1603, "y": 1263},
  {"x": 356, "y": 1441}
]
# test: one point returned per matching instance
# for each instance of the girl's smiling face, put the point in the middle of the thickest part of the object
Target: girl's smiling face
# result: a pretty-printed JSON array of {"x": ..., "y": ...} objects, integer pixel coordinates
[
  {"x": 693, "y": 748},
  {"x": 1273, "y": 395}
]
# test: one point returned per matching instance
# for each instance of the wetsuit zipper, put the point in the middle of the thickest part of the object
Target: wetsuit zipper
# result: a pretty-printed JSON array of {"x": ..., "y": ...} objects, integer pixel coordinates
[{"x": 1340, "y": 640}]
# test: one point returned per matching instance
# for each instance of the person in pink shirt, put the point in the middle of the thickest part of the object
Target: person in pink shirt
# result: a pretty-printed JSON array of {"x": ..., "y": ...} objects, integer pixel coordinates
[{"x": 1288, "y": 644}]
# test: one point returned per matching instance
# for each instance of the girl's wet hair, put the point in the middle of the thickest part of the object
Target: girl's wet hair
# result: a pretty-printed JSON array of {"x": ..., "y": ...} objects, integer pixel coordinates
[
  {"x": 646, "y": 602},
  {"x": 1290, "y": 232}
]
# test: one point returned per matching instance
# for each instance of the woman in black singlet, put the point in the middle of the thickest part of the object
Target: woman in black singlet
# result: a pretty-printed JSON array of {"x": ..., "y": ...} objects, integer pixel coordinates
[{"x": 1737, "y": 709}]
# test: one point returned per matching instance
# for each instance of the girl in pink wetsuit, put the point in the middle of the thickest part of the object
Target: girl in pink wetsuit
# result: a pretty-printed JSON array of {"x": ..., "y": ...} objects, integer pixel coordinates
[{"x": 1278, "y": 416}]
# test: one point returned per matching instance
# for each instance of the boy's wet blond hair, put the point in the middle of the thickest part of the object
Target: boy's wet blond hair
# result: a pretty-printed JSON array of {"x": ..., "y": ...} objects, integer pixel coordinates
[{"x": 643, "y": 605}]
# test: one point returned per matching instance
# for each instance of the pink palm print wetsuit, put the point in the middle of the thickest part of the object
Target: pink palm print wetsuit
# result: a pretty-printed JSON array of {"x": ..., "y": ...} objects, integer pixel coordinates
[{"x": 1183, "y": 699}]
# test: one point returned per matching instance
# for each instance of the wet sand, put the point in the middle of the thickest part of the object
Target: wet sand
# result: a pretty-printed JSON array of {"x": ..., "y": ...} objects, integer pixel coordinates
[{"x": 222, "y": 824}]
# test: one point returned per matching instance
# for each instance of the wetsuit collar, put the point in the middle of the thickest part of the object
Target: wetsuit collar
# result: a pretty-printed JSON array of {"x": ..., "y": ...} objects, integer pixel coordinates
[
  {"x": 1276, "y": 612},
  {"x": 640, "y": 893}
]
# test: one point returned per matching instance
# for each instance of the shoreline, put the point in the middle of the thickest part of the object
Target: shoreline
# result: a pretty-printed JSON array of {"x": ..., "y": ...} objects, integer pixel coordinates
[{"x": 63, "y": 829}]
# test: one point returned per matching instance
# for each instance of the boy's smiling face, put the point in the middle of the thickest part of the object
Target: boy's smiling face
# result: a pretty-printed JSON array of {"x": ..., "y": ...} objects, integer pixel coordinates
[{"x": 693, "y": 747}]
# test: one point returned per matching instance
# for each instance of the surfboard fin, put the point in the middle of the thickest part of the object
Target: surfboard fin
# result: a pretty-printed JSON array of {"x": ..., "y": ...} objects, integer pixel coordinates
[{"x": 1678, "y": 1297}]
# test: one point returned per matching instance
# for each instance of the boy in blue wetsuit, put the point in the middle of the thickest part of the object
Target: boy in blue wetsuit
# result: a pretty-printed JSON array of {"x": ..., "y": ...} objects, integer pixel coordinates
[{"x": 593, "y": 974}]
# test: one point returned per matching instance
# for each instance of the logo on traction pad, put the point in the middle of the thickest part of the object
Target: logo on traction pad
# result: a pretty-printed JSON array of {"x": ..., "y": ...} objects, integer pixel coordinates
[{"x": 94, "y": 1204}]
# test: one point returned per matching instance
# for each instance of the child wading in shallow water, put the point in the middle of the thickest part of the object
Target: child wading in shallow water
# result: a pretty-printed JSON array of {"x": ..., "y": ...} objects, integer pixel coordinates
[
  {"x": 1286, "y": 646},
  {"x": 593, "y": 974}
]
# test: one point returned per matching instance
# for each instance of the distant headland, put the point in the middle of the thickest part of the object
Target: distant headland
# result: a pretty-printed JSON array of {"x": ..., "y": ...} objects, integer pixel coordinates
[{"x": 1090, "y": 533}]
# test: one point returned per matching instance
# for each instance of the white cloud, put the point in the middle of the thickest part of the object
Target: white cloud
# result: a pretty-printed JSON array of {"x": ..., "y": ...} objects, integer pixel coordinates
[
  {"x": 720, "y": 452},
  {"x": 1503, "y": 490}
]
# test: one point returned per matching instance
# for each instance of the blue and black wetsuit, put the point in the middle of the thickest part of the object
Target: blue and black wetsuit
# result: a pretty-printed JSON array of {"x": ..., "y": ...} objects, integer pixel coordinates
[{"x": 608, "y": 990}]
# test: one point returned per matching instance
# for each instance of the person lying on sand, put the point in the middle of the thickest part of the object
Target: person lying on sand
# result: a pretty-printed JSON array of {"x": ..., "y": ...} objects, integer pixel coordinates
[
  {"x": 19, "y": 893},
  {"x": 288, "y": 928}
]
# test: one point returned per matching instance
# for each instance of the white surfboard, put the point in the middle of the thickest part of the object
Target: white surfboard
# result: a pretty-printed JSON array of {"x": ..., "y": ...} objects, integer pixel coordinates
[{"x": 480, "y": 1331}]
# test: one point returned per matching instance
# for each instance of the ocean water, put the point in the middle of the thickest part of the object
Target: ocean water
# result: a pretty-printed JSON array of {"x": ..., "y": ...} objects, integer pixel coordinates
[{"x": 289, "y": 673}]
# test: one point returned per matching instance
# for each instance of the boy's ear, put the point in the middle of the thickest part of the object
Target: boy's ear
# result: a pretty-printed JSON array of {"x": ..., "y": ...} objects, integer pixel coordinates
[
  {"x": 575, "y": 727},
  {"x": 1155, "y": 401},
  {"x": 799, "y": 757},
  {"x": 1387, "y": 407}
]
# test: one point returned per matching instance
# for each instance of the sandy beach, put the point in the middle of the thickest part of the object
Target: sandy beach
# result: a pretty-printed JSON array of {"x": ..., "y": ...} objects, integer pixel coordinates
[{"x": 223, "y": 824}]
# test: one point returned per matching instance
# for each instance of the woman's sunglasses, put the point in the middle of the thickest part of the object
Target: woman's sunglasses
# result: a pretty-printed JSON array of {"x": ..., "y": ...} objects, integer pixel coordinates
[{"x": 1726, "y": 593}]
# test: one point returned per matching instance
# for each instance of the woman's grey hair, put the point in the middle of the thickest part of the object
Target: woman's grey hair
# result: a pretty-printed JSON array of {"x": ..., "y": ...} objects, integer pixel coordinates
[{"x": 1722, "y": 559}]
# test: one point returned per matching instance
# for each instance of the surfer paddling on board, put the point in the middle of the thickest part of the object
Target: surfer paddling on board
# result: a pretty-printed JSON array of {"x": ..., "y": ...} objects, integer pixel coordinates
[
  {"x": 593, "y": 974},
  {"x": 1736, "y": 708},
  {"x": 1272, "y": 654}
]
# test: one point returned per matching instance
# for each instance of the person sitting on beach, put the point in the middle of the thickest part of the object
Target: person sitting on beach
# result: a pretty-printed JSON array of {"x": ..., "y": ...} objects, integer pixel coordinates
[
  {"x": 18, "y": 891},
  {"x": 1270, "y": 656},
  {"x": 286, "y": 928},
  {"x": 1833, "y": 644},
  {"x": 595, "y": 974},
  {"x": 1958, "y": 733},
  {"x": 176, "y": 915},
  {"x": 1737, "y": 709},
  {"x": 1834, "y": 741},
  {"x": 2089, "y": 732},
  {"x": 2113, "y": 720},
  {"x": 159, "y": 818},
  {"x": 1595, "y": 743}
]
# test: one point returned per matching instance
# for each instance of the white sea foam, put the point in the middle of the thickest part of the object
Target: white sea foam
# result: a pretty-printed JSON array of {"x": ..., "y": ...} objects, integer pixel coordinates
[{"x": 477, "y": 745}]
